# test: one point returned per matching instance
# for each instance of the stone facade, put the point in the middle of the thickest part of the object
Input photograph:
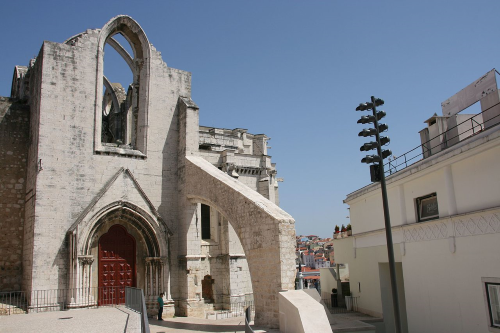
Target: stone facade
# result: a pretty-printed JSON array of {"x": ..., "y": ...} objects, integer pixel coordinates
[
  {"x": 89, "y": 165},
  {"x": 14, "y": 135}
]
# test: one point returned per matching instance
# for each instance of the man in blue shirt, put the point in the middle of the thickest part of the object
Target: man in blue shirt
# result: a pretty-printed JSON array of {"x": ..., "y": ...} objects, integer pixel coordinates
[{"x": 160, "y": 306}]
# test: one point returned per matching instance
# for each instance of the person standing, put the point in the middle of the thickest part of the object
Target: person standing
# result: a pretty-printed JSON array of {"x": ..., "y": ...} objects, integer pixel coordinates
[{"x": 160, "y": 306}]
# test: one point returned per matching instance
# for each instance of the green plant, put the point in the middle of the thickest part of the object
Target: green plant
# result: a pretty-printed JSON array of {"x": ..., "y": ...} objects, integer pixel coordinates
[
  {"x": 337, "y": 229},
  {"x": 343, "y": 228},
  {"x": 348, "y": 227}
]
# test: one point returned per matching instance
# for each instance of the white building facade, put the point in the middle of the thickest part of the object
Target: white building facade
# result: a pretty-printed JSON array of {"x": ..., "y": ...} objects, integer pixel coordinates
[{"x": 445, "y": 217}]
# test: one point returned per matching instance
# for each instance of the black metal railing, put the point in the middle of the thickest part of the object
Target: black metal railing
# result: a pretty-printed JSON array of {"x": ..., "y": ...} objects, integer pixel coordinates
[
  {"x": 236, "y": 309},
  {"x": 341, "y": 304},
  {"x": 441, "y": 141},
  {"x": 13, "y": 302},
  {"x": 16, "y": 302},
  {"x": 134, "y": 300}
]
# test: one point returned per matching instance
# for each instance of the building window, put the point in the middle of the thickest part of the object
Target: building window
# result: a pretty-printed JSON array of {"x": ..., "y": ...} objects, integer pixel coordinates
[
  {"x": 491, "y": 289},
  {"x": 427, "y": 207},
  {"x": 205, "y": 221}
]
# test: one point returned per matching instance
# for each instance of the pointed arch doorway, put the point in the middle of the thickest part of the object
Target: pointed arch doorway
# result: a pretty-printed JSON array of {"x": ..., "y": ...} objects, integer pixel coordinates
[{"x": 117, "y": 267}]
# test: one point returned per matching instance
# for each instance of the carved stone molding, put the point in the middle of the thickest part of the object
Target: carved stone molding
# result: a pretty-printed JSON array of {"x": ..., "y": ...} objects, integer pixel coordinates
[{"x": 85, "y": 260}]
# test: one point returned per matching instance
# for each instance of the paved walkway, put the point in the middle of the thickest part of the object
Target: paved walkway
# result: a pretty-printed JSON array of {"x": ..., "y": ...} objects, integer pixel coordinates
[
  {"x": 114, "y": 319},
  {"x": 109, "y": 320},
  {"x": 190, "y": 324}
]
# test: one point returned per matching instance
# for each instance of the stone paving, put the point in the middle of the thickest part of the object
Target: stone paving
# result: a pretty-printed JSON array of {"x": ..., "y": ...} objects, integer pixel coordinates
[
  {"x": 109, "y": 320},
  {"x": 190, "y": 324},
  {"x": 122, "y": 320},
  {"x": 114, "y": 319}
]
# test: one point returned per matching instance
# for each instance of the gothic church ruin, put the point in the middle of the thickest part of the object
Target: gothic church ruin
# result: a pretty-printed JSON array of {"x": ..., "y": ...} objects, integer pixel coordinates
[{"x": 103, "y": 185}]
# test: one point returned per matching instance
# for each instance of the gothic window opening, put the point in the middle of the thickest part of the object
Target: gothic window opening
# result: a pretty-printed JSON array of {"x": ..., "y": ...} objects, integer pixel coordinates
[
  {"x": 122, "y": 89},
  {"x": 119, "y": 121}
]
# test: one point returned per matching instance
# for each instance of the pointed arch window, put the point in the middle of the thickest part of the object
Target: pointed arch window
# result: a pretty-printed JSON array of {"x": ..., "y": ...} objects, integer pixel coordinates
[{"x": 121, "y": 110}]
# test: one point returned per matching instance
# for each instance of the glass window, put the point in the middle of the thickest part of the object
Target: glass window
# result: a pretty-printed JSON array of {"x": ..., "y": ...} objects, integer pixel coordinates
[
  {"x": 494, "y": 303},
  {"x": 427, "y": 207}
]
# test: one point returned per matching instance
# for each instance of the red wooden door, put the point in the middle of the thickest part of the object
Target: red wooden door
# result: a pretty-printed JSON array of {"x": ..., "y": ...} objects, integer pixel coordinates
[{"x": 116, "y": 265}]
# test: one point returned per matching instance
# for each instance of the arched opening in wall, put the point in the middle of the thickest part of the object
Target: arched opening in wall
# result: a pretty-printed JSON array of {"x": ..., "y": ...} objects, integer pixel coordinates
[
  {"x": 225, "y": 276},
  {"x": 119, "y": 116},
  {"x": 126, "y": 247},
  {"x": 122, "y": 100},
  {"x": 117, "y": 269},
  {"x": 207, "y": 291}
]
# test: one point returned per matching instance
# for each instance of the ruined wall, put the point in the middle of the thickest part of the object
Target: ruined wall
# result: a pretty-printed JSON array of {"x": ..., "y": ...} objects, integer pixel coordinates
[
  {"x": 14, "y": 134},
  {"x": 264, "y": 229},
  {"x": 72, "y": 173},
  {"x": 35, "y": 78}
]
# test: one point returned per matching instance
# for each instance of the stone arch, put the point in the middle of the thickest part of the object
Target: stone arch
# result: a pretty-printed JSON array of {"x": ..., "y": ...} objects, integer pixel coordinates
[
  {"x": 265, "y": 231},
  {"x": 137, "y": 118},
  {"x": 152, "y": 243},
  {"x": 131, "y": 214}
]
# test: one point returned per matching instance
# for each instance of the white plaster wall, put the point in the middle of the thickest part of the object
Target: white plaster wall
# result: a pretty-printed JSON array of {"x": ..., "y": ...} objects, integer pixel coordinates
[
  {"x": 477, "y": 181},
  {"x": 443, "y": 289},
  {"x": 475, "y": 186},
  {"x": 364, "y": 269}
]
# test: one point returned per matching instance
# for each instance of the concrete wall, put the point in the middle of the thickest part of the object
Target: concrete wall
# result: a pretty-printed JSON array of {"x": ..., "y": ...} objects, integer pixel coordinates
[{"x": 301, "y": 313}]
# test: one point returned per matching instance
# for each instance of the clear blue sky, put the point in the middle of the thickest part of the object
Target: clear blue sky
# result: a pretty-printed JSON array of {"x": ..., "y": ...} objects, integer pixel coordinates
[{"x": 294, "y": 70}]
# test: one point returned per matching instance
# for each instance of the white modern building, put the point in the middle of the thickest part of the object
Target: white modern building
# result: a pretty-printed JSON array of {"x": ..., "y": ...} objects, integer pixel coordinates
[{"x": 444, "y": 203}]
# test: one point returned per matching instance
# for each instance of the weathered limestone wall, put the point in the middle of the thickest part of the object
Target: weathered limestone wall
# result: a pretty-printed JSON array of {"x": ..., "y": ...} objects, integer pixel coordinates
[
  {"x": 73, "y": 173},
  {"x": 266, "y": 232},
  {"x": 33, "y": 169},
  {"x": 14, "y": 135}
]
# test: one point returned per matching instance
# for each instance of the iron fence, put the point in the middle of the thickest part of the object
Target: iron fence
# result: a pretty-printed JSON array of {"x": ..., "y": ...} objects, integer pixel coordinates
[
  {"x": 13, "y": 302},
  {"x": 236, "y": 309},
  {"x": 18, "y": 302},
  {"x": 443, "y": 141}
]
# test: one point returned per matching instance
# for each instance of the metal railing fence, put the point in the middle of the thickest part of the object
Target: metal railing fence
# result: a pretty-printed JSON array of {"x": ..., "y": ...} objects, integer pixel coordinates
[
  {"x": 236, "y": 309},
  {"x": 17, "y": 302},
  {"x": 444, "y": 141},
  {"x": 134, "y": 300}
]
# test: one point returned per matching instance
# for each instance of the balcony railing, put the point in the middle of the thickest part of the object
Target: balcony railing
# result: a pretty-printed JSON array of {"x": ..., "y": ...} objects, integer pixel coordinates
[{"x": 444, "y": 141}]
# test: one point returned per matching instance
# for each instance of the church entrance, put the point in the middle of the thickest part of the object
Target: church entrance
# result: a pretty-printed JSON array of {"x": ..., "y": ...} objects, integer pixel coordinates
[{"x": 116, "y": 265}]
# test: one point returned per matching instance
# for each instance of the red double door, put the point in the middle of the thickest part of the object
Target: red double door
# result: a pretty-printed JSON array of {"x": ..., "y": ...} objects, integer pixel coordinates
[{"x": 116, "y": 265}]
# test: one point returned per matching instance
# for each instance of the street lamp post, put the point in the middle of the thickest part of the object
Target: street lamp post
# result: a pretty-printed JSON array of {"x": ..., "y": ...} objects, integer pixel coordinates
[{"x": 377, "y": 174}]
